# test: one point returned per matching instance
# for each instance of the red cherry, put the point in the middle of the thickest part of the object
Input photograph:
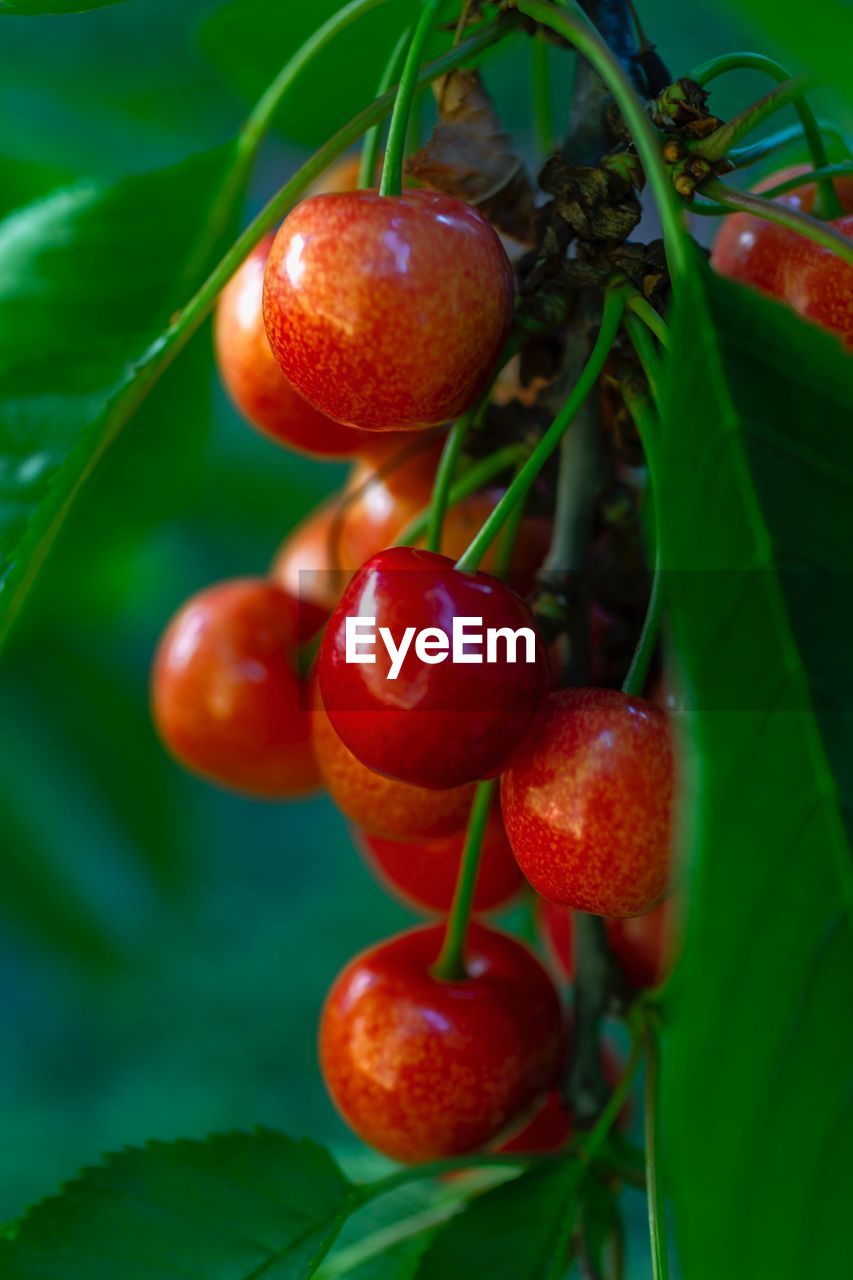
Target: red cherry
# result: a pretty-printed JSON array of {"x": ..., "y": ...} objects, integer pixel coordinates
[
  {"x": 811, "y": 279},
  {"x": 387, "y": 312},
  {"x": 434, "y": 725},
  {"x": 423, "y": 872},
  {"x": 643, "y": 945},
  {"x": 381, "y": 806},
  {"x": 308, "y": 568},
  {"x": 587, "y": 803},
  {"x": 422, "y": 1068},
  {"x": 226, "y": 697},
  {"x": 252, "y": 375}
]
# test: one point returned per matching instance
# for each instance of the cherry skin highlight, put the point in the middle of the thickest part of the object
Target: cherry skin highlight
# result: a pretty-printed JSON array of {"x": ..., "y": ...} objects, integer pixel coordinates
[
  {"x": 643, "y": 945},
  {"x": 421, "y": 1068},
  {"x": 382, "y": 807},
  {"x": 810, "y": 279},
  {"x": 424, "y": 872},
  {"x": 587, "y": 803},
  {"x": 436, "y": 725},
  {"x": 226, "y": 696},
  {"x": 387, "y": 312},
  {"x": 252, "y": 375}
]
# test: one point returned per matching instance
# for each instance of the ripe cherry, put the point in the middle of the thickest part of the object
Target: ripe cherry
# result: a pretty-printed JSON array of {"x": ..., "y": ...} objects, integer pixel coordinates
[
  {"x": 225, "y": 693},
  {"x": 422, "y": 1068},
  {"x": 381, "y": 806},
  {"x": 253, "y": 377},
  {"x": 424, "y": 872},
  {"x": 387, "y": 312},
  {"x": 643, "y": 945},
  {"x": 811, "y": 279},
  {"x": 436, "y": 724},
  {"x": 307, "y": 566},
  {"x": 587, "y": 803}
]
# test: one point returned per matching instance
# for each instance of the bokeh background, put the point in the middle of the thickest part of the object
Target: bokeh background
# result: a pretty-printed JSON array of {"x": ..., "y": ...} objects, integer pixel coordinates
[{"x": 165, "y": 948}]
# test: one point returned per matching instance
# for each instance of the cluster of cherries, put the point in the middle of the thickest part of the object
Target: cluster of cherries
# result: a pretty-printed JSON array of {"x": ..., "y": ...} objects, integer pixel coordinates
[{"x": 360, "y": 329}]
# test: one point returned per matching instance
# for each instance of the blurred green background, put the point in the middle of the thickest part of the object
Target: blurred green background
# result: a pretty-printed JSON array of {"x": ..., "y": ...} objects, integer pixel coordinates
[{"x": 164, "y": 948}]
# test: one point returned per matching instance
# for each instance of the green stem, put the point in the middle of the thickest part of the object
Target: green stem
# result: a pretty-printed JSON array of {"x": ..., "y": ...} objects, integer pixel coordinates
[
  {"x": 392, "y": 169},
  {"x": 842, "y": 170},
  {"x": 470, "y": 482},
  {"x": 511, "y": 531},
  {"x": 452, "y": 1164},
  {"x": 644, "y": 310},
  {"x": 827, "y": 205},
  {"x": 657, "y": 1226},
  {"x": 611, "y": 317},
  {"x": 742, "y": 157},
  {"x": 540, "y": 71},
  {"x": 747, "y": 202},
  {"x": 372, "y": 139},
  {"x": 641, "y": 340},
  {"x": 591, "y": 1143},
  {"x": 648, "y": 425},
  {"x": 444, "y": 479},
  {"x": 573, "y": 24},
  {"x": 718, "y": 144},
  {"x": 450, "y": 965}
]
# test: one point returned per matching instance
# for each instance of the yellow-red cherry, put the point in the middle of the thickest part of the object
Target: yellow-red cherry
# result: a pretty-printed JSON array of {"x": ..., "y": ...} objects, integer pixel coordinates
[
  {"x": 387, "y": 312},
  {"x": 422, "y": 1068},
  {"x": 587, "y": 802}
]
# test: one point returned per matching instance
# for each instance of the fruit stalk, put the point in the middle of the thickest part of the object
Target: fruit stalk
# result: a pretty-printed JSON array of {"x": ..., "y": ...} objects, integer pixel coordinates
[
  {"x": 370, "y": 146},
  {"x": 717, "y": 145},
  {"x": 802, "y": 223},
  {"x": 450, "y": 965},
  {"x": 657, "y": 1234},
  {"x": 392, "y": 170}
]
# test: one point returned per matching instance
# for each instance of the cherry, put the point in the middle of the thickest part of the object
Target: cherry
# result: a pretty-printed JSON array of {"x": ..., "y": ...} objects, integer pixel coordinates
[
  {"x": 441, "y": 724},
  {"x": 252, "y": 375},
  {"x": 226, "y": 697},
  {"x": 380, "y": 806},
  {"x": 778, "y": 262},
  {"x": 422, "y": 1068},
  {"x": 306, "y": 567},
  {"x": 587, "y": 803},
  {"x": 387, "y": 312},
  {"x": 643, "y": 945},
  {"x": 424, "y": 872}
]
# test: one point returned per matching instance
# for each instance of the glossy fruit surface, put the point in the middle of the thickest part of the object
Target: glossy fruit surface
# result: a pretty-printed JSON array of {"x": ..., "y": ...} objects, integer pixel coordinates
[
  {"x": 382, "y": 806},
  {"x": 253, "y": 377},
  {"x": 422, "y": 1068},
  {"x": 387, "y": 312},
  {"x": 436, "y": 724},
  {"x": 587, "y": 803},
  {"x": 787, "y": 266},
  {"x": 643, "y": 945},
  {"x": 423, "y": 873},
  {"x": 226, "y": 697}
]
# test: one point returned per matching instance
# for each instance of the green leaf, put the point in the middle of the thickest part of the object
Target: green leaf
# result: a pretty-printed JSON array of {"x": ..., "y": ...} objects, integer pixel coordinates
[
  {"x": 519, "y": 1231},
  {"x": 234, "y": 1207},
  {"x": 246, "y": 39},
  {"x": 820, "y": 41},
  {"x": 35, "y": 7},
  {"x": 756, "y": 528},
  {"x": 88, "y": 279}
]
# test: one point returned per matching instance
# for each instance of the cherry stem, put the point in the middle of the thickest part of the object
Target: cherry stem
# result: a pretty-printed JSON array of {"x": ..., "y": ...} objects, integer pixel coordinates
[
  {"x": 572, "y": 23},
  {"x": 793, "y": 219},
  {"x": 444, "y": 479},
  {"x": 540, "y": 74},
  {"x": 827, "y": 204},
  {"x": 641, "y": 340},
  {"x": 652, "y": 319},
  {"x": 613, "y": 309},
  {"x": 648, "y": 426},
  {"x": 717, "y": 145},
  {"x": 370, "y": 147},
  {"x": 779, "y": 189},
  {"x": 472, "y": 480},
  {"x": 450, "y": 965},
  {"x": 392, "y": 169},
  {"x": 591, "y": 1143},
  {"x": 741, "y": 157},
  {"x": 657, "y": 1226},
  {"x": 510, "y": 537}
]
